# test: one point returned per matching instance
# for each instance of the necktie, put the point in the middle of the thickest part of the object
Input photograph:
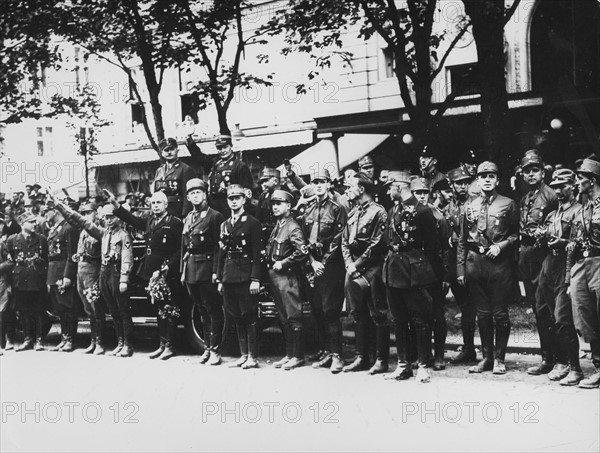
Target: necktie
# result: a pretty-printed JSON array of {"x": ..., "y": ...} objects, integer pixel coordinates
[
  {"x": 483, "y": 216},
  {"x": 354, "y": 231},
  {"x": 314, "y": 232}
]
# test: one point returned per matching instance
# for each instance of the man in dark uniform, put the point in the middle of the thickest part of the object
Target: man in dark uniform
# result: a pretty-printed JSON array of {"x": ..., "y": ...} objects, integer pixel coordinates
[
  {"x": 28, "y": 258},
  {"x": 116, "y": 263},
  {"x": 428, "y": 167},
  {"x": 551, "y": 296},
  {"x": 238, "y": 274},
  {"x": 172, "y": 176},
  {"x": 366, "y": 165},
  {"x": 62, "y": 278},
  {"x": 323, "y": 222},
  {"x": 227, "y": 170},
  {"x": 461, "y": 180},
  {"x": 11, "y": 225},
  {"x": 162, "y": 232},
  {"x": 486, "y": 261},
  {"x": 535, "y": 206},
  {"x": 269, "y": 181},
  {"x": 363, "y": 249},
  {"x": 584, "y": 275},
  {"x": 286, "y": 251},
  {"x": 412, "y": 274},
  {"x": 200, "y": 248}
]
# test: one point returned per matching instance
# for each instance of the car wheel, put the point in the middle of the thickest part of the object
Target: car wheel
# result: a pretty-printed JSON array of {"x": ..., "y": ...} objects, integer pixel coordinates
[{"x": 192, "y": 324}]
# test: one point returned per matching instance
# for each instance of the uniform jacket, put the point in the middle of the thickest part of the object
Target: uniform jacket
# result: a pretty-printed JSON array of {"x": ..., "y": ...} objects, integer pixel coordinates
[
  {"x": 323, "y": 225},
  {"x": 88, "y": 248},
  {"x": 479, "y": 231},
  {"x": 171, "y": 179},
  {"x": 29, "y": 261},
  {"x": 62, "y": 245},
  {"x": 413, "y": 259},
  {"x": 200, "y": 244},
  {"x": 115, "y": 245},
  {"x": 5, "y": 271},
  {"x": 240, "y": 248},
  {"x": 585, "y": 233},
  {"x": 535, "y": 207},
  {"x": 229, "y": 171},
  {"x": 163, "y": 241},
  {"x": 363, "y": 237},
  {"x": 287, "y": 244}
]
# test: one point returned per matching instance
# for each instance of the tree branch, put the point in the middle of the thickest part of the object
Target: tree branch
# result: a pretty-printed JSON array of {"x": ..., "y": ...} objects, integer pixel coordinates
[
  {"x": 453, "y": 44},
  {"x": 509, "y": 13}
]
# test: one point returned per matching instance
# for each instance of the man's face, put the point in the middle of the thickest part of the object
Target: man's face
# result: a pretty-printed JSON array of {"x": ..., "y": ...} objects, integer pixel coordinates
[
  {"x": 369, "y": 170},
  {"x": 584, "y": 183},
  {"x": 533, "y": 175},
  {"x": 110, "y": 220},
  {"x": 461, "y": 187},
  {"x": 321, "y": 186},
  {"x": 196, "y": 196},
  {"x": 170, "y": 153},
  {"x": 426, "y": 163},
  {"x": 422, "y": 196},
  {"x": 236, "y": 202},
  {"x": 563, "y": 192},
  {"x": 348, "y": 174},
  {"x": 158, "y": 207},
  {"x": 8, "y": 210},
  {"x": 225, "y": 150},
  {"x": 354, "y": 190},
  {"x": 29, "y": 226},
  {"x": 383, "y": 176},
  {"x": 394, "y": 191},
  {"x": 488, "y": 181},
  {"x": 280, "y": 208},
  {"x": 471, "y": 169},
  {"x": 90, "y": 215},
  {"x": 446, "y": 195},
  {"x": 269, "y": 183}
]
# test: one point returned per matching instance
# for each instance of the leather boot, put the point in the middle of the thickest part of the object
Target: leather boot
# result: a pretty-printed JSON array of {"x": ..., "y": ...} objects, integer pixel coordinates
[
  {"x": 593, "y": 381},
  {"x": 162, "y": 340},
  {"x": 297, "y": 349},
  {"x": 486, "y": 333},
  {"x": 215, "y": 357},
  {"x": 28, "y": 341},
  {"x": 467, "y": 354},
  {"x": 100, "y": 334},
  {"x": 289, "y": 348},
  {"x": 63, "y": 335},
  {"x": 252, "y": 362},
  {"x": 203, "y": 358},
  {"x": 569, "y": 340},
  {"x": 440, "y": 331},
  {"x": 547, "y": 347},
  {"x": 39, "y": 346},
  {"x": 337, "y": 364},
  {"x": 360, "y": 336},
  {"x": 242, "y": 335},
  {"x": 99, "y": 350},
  {"x": 502, "y": 336},
  {"x": 325, "y": 362},
  {"x": 170, "y": 340},
  {"x": 93, "y": 335},
  {"x": 120, "y": 339},
  {"x": 126, "y": 350},
  {"x": 321, "y": 328},
  {"x": 383, "y": 350},
  {"x": 334, "y": 337},
  {"x": 402, "y": 372},
  {"x": 71, "y": 323},
  {"x": 360, "y": 363},
  {"x": 207, "y": 339}
]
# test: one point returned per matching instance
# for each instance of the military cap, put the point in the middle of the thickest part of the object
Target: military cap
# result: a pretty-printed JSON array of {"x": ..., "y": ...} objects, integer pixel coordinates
[
  {"x": 398, "y": 176},
  {"x": 589, "y": 166},
  {"x": 426, "y": 152},
  {"x": 235, "y": 190},
  {"x": 223, "y": 140},
  {"x": 487, "y": 167},
  {"x": 166, "y": 143},
  {"x": 320, "y": 174},
  {"x": 532, "y": 157},
  {"x": 25, "y": 217},
  {"x": 470, "y": 157},
  {"x": 282, "y": 195},
  {"x": 269, "y": 173},
  {"x": 562, "y": 176},
  {"x": 87, "y": 207},
  {"x": 365, "y": 161},
  {"x": 459, "y": 174},
  {"x": 442, "y": 184},
  {"x": 107, "y": 209},
  {"x": 419, "y": 183},
  {"x": 195, "y": 183}
]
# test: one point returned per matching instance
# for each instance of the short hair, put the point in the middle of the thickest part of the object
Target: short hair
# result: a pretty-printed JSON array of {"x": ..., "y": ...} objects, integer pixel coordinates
[{"x": 364, "y": 181}]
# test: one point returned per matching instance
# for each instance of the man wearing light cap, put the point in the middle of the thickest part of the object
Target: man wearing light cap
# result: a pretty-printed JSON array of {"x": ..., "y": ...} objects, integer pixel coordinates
[
  {"x": 238, "y": 274},
  {"x": 162, "y": 233},
  {"x": 535, "y": 206},
  {"x": 200, "y": 248},
  {"x": 226, "y": 171},
  {"x": 323, "y": 222},
  {"x": 485, "y": 263},
  {"x": 584, "y": 256},
  {"x": 286, "y": 251},
  {"x": 172, "y": 176},
  {"x": 116, "y": 261},
  {"x": 553, "y": 303}
]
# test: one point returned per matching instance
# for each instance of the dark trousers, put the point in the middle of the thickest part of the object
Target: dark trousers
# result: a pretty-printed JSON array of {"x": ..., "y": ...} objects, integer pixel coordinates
[
  {"x": 30, "y": 308},
  {"x": 243, "y": 309},
  {"x": 209, "y": 302},
  {"x": 585, "y": 289},
  {"x": 117, "y": 303},
  {"x": 88, "y": 275},
  {"x": 530, "y": 266},
  {"x": 285, "y": 287}
]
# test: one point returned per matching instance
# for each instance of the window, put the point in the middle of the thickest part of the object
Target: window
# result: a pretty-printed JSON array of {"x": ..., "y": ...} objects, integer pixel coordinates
[
  {"x": 137, "y": 113},
  {"x": 44, "y": 141},
  {"x": 189, "y": 106},
  {"x": 389, "y": 64},
  {"x": 464, "y": 79}
]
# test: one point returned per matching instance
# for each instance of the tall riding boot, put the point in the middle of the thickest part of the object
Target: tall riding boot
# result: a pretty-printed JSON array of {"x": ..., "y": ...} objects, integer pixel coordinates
[
  {"x": 547, "y": 346},
  {"x": 162, "y": 340},
  {"x": 127, "y": 350},
  {"x": 468, "y": 350},
  {"x": 413, "y": 356},
  {"x": 119, "y": 333},
  {"x": 171, "y": 325},
  {"x": 242, "y": 334},
  {"x": 486, "y": 334},
  {"x": 206, "y": 329},
  {"x": 403, "y": 344},
  {"x": 252, "y": 361},
  {"x": 593, "y": 381},
  {"x": 286, "y": 330},
  {"x": 216, "y": 337},
  {"x": 570, "y": 343},
  {"x": 297, "y": 359},
  {"x": 423, "y": 332},
  {"x": 502, "y": 336},
  {"x": 63, "y": 334},
  {"x": 361, "y": 360},
  {"x": 72, "y": 322},
  {"x": 93, "y": 336},
  {"x": 321, "y": 327},
  {"x": 334, "y": 340},
  {"x": 39, "y": 327},
  {"x": 381, "y": 365},
  {"x": 9, "y": 329},
  {"x": 28, "y": 342},
  {"x": 100, "y": 335},
  {"x": 440, "y": 331}
]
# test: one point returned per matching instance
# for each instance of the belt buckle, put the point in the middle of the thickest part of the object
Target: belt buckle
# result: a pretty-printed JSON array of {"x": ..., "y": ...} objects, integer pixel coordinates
[
  {"x": 586, "y": 253},
  {"x": 395, "y": 248},
  {"x": 148, "y": 251},
  {"x": 481, "y": 249}
]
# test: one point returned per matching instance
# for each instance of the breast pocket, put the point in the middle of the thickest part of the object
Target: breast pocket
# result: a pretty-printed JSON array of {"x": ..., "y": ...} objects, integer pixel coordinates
[
  {"x": 280, "y": 248},
  {"x": 497, "y": 221}
]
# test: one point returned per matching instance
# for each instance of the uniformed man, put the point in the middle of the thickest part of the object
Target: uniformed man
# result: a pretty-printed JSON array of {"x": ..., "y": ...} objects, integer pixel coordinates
[
  {"x": 584, "y": 275},
  {"x": 200, "y": 248},
  {"x": 485, "y": 262},
  {"x": 421, "y": 189},
  {"x": 363, "y": 249},
  {"x": 62, "y": 278},
  {"x": 162, "y": 233},
  {"x": 171, "y": 178},
  {"x": 5, "y": 267},
  {"x": 535, "y": 206},
  {"x": 469, "y": 164},
  {"x": 461, "y": 181},
  {"x": 286, "y": 251},
  {"x": 366, "y": 165},
  {"x": 551, "y": 296},
  {"x": 226, "y": 171},
  {"x": 269, "y": 181},
  {"x": 412, "y": 274},
  {"x": 115, "y": 269},
  {"x": 428, "y": 167},
  {"x": 323, "y": 222},
  {"x": 28, "y": 262},
  {"x": 238, "y": 274}
]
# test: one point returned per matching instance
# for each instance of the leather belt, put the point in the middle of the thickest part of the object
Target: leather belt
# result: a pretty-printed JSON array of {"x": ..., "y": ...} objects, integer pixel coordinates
[
  {"x": 236, "y": 254},
  {"x": 90, "y": 259},
  {"x": 479, "y": 249},
  {"x": 590, "y": 253},
  {"x": 201, "y": 256}
]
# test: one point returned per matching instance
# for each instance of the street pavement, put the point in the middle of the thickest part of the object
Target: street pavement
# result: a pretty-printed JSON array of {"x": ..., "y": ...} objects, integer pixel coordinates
[{"x": 72, "y": 402}]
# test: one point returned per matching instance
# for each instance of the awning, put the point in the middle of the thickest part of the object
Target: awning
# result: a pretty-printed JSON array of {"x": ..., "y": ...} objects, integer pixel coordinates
[
  {"x": 354, "y": 146},
  {"x": 276, "y": 140},
  {"x": 134, "y": 156}
]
